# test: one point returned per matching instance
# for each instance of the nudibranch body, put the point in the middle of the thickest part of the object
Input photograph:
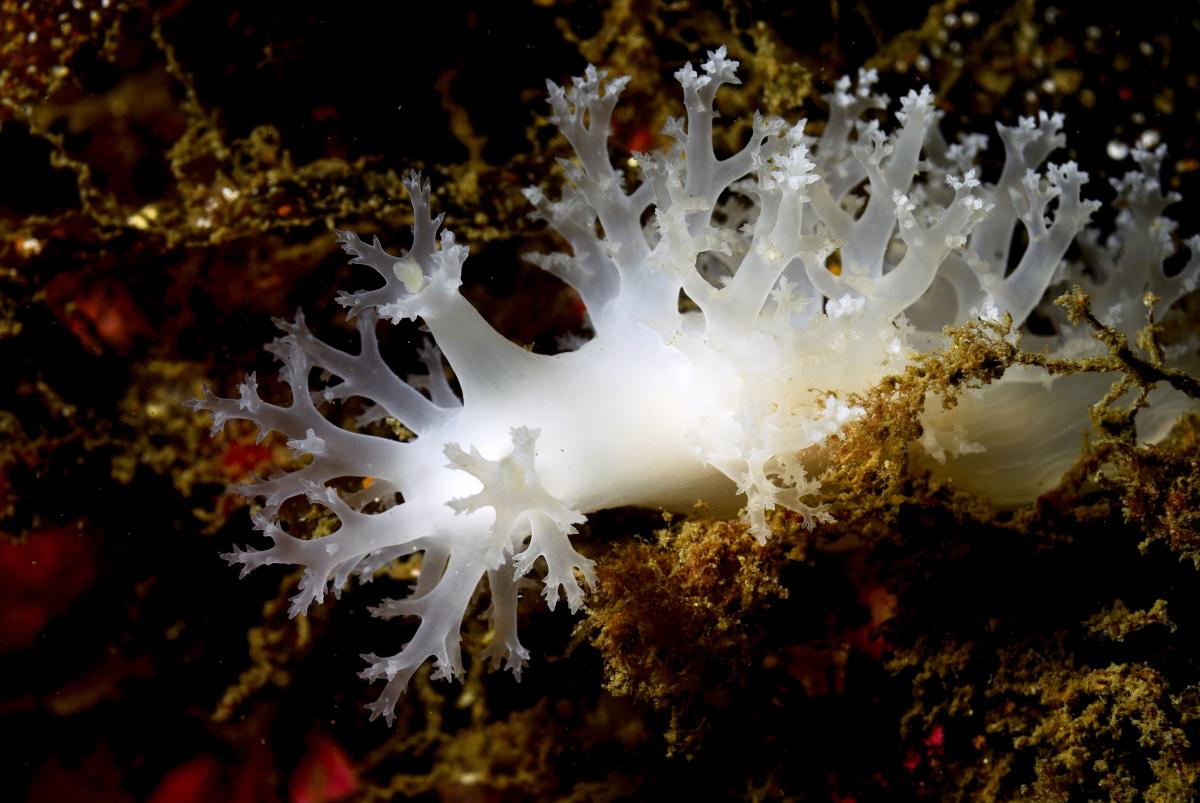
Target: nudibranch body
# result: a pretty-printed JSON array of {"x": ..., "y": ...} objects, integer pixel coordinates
[{"x": 716, "y": 400}]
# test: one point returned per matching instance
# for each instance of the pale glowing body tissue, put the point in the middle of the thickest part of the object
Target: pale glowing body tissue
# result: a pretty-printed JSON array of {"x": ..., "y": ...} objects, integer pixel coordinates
[{"x": 663, "y": 408}]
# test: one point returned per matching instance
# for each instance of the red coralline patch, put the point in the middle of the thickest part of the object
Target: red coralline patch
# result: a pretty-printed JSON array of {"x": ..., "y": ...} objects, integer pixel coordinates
[
  {"x": 192, "y": 781},
  {"x": 242, "y": 459},
  {"x": 636, "y": 138},
  {"x": 43, "y": 574},
  {"x": 641, "y": 140},
  {"x": 821, "y": 666},
  {"x": 882, "y": 605},
  {"x": 100, "y": 312},
  {"x": 323, "y": 775},
  {"x": 203, "y": 779},
  {"x": 934, "y": 744}
]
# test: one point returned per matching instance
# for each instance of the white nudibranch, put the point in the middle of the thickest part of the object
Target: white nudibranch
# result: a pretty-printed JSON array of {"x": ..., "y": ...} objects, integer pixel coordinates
[{"x": 663, "y": 407}]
